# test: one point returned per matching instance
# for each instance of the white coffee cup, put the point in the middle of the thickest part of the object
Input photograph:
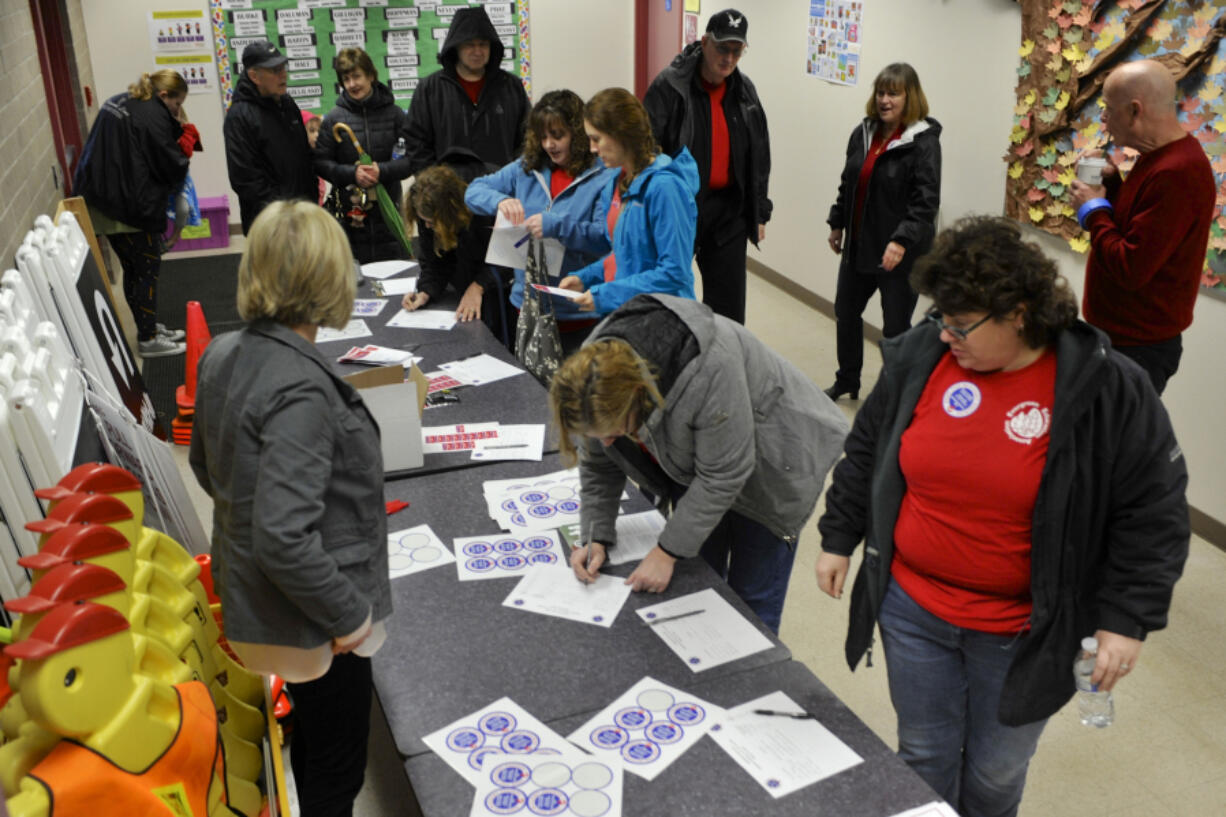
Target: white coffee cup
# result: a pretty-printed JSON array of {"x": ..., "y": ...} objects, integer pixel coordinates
[{"x": 1090, "y": 170}]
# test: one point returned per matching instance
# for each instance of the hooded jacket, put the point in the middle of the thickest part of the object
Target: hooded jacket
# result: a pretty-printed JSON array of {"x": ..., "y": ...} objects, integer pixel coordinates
[
  {"x": 904, "y": 195},
  {"x": 267, "y": 153},
  {"x": 132, "y": 162},
  {"x": 576, "y": 217},
  {"x": 1110, "y": 524},
  {"x": 680, "y": 113},
  {"x": 377, "y": 122},
  {"x": 740, "y": 427},
  {"x": 445, "y": 126},
  {"x": 654, "y": 236}
]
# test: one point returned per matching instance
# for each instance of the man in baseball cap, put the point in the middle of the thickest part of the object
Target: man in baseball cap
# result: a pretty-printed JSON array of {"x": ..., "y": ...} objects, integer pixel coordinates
[
  {"x": 267, "y": 153},
  {"x": 703, "y": 102}
]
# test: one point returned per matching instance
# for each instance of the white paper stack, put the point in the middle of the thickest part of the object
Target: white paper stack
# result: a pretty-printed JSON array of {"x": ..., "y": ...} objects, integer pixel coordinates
[{"x": 372, "y": 355}]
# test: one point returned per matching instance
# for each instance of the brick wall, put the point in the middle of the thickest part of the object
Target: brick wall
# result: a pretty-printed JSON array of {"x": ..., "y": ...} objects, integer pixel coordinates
[{"x": 27, "y": 153}]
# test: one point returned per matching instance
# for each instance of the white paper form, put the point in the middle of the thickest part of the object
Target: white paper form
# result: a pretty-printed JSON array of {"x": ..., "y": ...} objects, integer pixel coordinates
[
  {"x": 502, "y": 728},
  {"x": 480, "y": 369},
  {"x": 637, "y": 535},
  {"x": 514, "y": 442},
  {"x": 568, "y": 294},
  {"x": 647, "y": 728},
  {"x": 783, "y": 754},
  {"x": 568, "y": 785},
  {"x": 368, "y": 307},
  {"x": 415, "y": 549},
  {"x": 395, "y": 286},
  {"x": 459, "y": 437},
  {"x": 504, "y": 557},
  {"x": 937, "y": 808},
  {"x": 373, "y": 355},
  {"x": 441, "y": 319},
  {"x": 386, "y": 269},
  {"x": 716, "y": 635},
  {"x": 554, "y": 591},
  {"x": 356, "y": 328},
  {"x": 509, "y": 248}
]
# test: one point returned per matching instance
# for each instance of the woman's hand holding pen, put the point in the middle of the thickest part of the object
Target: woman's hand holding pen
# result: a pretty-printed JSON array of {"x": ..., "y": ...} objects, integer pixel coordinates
[{"x": 586, "y": 561}]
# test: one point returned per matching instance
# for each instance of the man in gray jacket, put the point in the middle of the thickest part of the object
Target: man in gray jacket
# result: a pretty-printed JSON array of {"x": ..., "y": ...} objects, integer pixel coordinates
[{"x": 704, "y": 416}]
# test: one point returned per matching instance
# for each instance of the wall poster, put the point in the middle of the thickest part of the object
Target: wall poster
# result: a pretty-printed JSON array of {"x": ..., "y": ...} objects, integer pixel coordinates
[{"x": 835, "y": 35}]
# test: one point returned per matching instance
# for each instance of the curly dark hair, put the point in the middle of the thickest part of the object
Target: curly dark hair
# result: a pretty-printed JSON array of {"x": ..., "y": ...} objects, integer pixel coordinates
[
  {"x": 437, "y": 194},
  {"x": 557, "y": 111},
  {"x": 982, "y": 263}
]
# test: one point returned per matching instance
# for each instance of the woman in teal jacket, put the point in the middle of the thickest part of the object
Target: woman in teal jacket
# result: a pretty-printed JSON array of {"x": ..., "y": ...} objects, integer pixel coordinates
[
  {"x": 650, "y": 212},
  {"x": 554, "y": 190}
]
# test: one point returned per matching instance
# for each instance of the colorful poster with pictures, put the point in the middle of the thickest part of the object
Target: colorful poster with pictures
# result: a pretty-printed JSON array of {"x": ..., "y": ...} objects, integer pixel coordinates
[
  {"x": 178, "y": 31},
  {"x": 836, "y": 30},
  {"x": 197, "y": 69}
]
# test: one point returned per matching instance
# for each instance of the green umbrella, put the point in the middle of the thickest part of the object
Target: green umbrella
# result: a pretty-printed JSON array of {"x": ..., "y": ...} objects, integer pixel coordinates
[{"x": 391, "y": 213}]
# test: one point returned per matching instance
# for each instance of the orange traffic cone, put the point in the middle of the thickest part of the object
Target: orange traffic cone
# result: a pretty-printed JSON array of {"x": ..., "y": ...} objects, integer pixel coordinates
[{"x": 198, "y": 337}]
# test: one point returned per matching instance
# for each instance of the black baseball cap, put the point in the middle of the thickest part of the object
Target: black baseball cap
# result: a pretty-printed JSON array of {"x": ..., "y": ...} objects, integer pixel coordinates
[
  {"x": 263, "y": 55},
  {"x": 728, "y": 24}
]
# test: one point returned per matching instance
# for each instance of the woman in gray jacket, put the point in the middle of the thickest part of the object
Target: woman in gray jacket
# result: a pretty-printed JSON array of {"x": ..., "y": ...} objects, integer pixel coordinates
[
  {"x": 701, "y": 414},
  {"x": 291, "y": 457}
]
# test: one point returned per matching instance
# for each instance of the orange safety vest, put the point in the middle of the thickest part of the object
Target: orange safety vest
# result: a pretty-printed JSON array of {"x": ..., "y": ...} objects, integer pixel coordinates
[{"x": 81, "y": 781}]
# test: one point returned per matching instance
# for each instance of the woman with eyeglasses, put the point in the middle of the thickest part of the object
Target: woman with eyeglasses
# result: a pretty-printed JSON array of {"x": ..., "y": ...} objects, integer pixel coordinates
[
  {"x": 1018, "y": 487},
  {"x": 885, "y": 214}
]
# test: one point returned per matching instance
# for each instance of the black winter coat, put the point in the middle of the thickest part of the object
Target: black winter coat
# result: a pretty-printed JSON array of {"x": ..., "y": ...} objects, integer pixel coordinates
[
  {"x": 904, "y": 194},
  {"x": 377, "y": 122},
  {"x": 444, "y": 125},
  {"x": 132, "y": 162},
  {"x": 1110, "y": 525},
  {"x": 680, "y": 114},
  {"x": 267, "y": 153}
]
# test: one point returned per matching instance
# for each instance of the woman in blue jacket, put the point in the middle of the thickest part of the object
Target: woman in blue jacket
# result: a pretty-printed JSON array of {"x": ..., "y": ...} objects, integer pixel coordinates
[
  {"x": 650, "y": 212},
  {"x": 555, "y": 191}
]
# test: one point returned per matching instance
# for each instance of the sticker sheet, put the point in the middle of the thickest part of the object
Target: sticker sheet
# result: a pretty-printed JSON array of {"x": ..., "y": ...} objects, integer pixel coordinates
[
  {"x": 567, "y": 785},
  {"x": 500, "y": 729},
  {"x": 647, "y": 728},
  {"x": 415, "y": 549},
  {"x": 504, "y": 557}
]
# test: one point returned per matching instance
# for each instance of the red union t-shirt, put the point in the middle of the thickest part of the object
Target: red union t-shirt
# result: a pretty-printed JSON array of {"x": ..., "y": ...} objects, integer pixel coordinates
[{"x": 972, "y": 459}]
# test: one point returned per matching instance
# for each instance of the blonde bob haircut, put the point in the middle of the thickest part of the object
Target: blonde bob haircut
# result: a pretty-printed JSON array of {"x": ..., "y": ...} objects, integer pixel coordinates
[
  {"x": 166, "y": 79},
  {"x": 297, "y": 269},
  {"x": 900, "y": 78},
  {"x": 604, "y": 389}
]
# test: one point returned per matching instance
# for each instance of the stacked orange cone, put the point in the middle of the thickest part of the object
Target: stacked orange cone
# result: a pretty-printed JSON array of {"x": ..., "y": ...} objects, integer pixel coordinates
[{"x": 198, "y": 337}]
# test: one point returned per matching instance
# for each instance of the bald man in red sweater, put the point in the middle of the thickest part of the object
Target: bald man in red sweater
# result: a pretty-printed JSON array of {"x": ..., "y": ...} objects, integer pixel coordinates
[{"x": 1149, "y": 232}]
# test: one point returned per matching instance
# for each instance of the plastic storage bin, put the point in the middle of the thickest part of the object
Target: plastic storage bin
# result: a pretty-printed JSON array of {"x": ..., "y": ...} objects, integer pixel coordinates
[{"x": 214, "y": 228}]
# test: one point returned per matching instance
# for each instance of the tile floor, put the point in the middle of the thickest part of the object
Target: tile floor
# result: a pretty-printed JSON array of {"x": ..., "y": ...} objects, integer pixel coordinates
[{"x": 1165, "y": 756}]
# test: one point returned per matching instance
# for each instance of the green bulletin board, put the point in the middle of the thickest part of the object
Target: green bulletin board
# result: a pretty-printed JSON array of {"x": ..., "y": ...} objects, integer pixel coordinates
[{"x": 402, "y": 37}]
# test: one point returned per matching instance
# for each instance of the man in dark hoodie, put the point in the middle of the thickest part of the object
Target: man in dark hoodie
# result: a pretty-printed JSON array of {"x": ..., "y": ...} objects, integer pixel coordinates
[
  {"x": 702, "y": 101},
  {"x": 469, "y": 114},
  {"x": 267, "y": 153}
]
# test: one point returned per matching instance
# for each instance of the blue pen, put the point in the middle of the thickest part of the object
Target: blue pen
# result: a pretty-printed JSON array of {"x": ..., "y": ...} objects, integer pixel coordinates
[{"x": 519, "y": 243}]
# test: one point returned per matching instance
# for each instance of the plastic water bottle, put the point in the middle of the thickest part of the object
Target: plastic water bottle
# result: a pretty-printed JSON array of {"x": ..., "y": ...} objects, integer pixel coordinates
[
  {"x": 1095, "y": 706},
  {"x": 399, "y": 151}
]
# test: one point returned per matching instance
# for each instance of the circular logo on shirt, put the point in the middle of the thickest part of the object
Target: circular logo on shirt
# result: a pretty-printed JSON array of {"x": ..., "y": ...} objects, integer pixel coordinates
[
  {"x": 962, "y": 399},
  {"x": 1027, "y": 422}
]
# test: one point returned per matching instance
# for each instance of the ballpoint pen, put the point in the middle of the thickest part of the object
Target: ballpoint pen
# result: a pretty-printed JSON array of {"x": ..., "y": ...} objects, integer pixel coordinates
[
  {"x": 800, "y": 716},
  {"x": 653, "y": 622}
]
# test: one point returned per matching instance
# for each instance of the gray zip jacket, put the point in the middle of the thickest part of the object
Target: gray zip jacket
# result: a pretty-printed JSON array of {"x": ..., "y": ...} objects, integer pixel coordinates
[{"x": 740, "y": 427}]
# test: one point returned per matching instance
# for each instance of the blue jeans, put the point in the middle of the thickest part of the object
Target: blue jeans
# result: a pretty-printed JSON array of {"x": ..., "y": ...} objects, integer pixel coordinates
[
  {"x": 755, "y": 562},
  {"x": 945, "y": 683}
]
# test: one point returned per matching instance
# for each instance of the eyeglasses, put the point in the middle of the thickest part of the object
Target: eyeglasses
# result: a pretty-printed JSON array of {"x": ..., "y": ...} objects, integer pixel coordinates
[
  {"x": 731, "y": 49},
  {"x": 934, "y": 316}
]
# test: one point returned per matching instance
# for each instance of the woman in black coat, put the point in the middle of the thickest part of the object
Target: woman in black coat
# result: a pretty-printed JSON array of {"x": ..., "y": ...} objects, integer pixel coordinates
[
  {"x": 367, "y": 106},
  {"x": 885, "y": 215}
]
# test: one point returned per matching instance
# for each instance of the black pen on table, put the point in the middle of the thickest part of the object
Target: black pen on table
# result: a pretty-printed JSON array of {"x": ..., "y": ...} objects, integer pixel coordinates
[
  {"x": 800, "y": 716},
  {"x": 653, "y": 622},
  {"x": 587, "y": 564}
]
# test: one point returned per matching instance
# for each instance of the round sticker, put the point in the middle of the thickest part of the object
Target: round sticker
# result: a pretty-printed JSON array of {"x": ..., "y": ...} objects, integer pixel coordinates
[
  {"x": 632, "y": 718},
  {"x": 657, "y": 700},
  {"x": 510, "y": 774},
  {"x": 538, "y": 543},
  {"x": 568, "y": 506},
  {"x": 590, "y": 804},
  {"x": 548, "y": 801},
  {"x": 505, "y": 801},
  {"x": 465, "y": 739},
  {"x": 512, "y": 562},
  {"x": 1027, "y": 422},
  {"x": 592, "y": 775},
  {"x": 476, "y": 548},
  {"x": 608, "y": 737},
  {"x": 496, "y": 723},
  {"x": 664, "y": 732},
  {"x": 962, "y": 399},
  {"x": 520, "y": 743},
  {"x": 429, "y": 553},
  {"x": 476, "y": 758},
  {"x": 551, "y": 775},
  {"x": 481, "y": 564},
  {"x": 533, "y": 497},
  {"x": 542, "y": 511},
  {"x": 561, "y": 492},
  {"x": 640, "y": 751},
  {"x": 543, "y": 558},
  {"x": 507, "y": 545},
  {"x": 687, "y": 714},
  {"x": 509, "y": 506}
]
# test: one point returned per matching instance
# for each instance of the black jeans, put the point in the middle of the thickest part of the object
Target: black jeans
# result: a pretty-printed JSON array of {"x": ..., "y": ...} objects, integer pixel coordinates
[
  {"x": 851, "y": 296},
  {"x": 328, "y": 747},
  {"x": 719, "y": 247},
  {"x": 140, "y": 256},
  {"x": 1159, "y": 360}
]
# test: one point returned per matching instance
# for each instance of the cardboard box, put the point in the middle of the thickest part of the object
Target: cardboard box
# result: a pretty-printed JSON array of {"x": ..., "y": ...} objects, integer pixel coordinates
[{"x": 396, "y": 403}]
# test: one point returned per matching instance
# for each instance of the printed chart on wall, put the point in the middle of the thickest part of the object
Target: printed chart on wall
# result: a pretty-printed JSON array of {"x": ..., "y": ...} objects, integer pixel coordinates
[
  {"x": 180, "y": 40},
  {"x": 403, "y": 38},
  {"x": 836, "y": 31}
]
